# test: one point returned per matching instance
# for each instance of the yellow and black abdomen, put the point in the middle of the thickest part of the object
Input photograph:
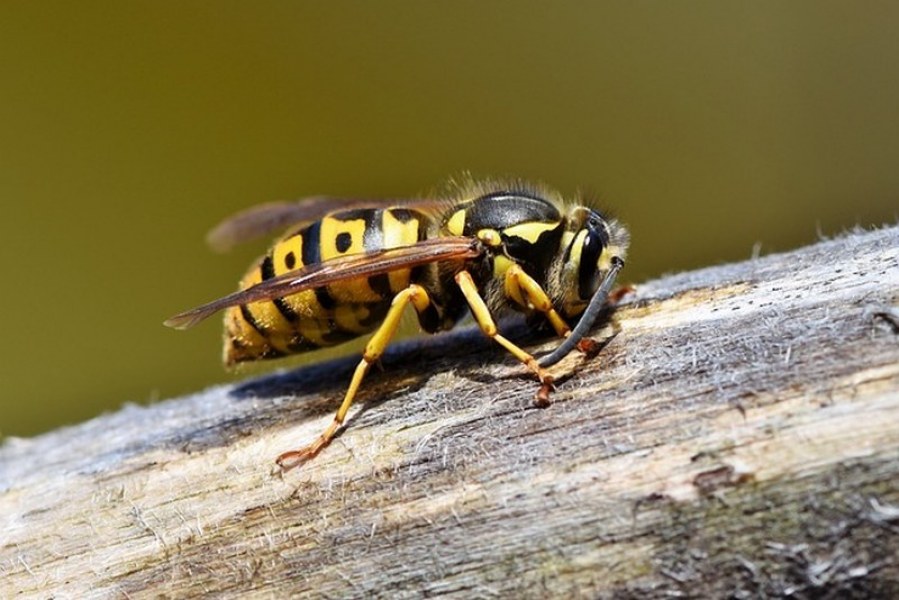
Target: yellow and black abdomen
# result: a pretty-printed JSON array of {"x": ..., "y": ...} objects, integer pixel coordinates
[{"x": 332, "y": 314}]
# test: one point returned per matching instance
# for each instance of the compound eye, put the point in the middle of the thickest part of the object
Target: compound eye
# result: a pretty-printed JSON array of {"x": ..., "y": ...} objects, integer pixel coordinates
[{"x": 589, "y": 275}]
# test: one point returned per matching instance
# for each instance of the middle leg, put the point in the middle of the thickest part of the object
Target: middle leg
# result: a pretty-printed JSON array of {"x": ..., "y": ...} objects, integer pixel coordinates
[{"x": 488, "y": 326}]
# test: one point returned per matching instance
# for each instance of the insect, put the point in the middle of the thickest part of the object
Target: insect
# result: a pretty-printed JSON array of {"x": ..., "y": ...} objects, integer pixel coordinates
[{"x": 350, "y": 267}]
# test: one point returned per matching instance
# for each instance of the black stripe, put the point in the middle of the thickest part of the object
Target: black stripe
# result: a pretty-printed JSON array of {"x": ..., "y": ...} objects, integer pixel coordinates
[
  {"x": 376, "y": 314},
  {"x": 353, "y": 214},
  {"x": 419, "y": 273},
  {"x": 268, "y": 271},
  {"x": 429, "y": 319},
  {"x": 380, "y": 284},
  {"x": 325, "y": 299},
  {"x": 311, "y": 252},
  {"x": 267, "y": 267},
  {"x": 403, "y": 215},
  {"x": 286, "y": 311},
  {"x": 249, "y": 318}
]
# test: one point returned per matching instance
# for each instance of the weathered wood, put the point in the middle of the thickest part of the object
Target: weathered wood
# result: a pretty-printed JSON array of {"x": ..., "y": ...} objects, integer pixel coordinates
[{"x": 739, "y": 436}]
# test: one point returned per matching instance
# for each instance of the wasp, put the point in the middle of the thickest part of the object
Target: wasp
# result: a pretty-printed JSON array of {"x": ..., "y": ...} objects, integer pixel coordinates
[{"x": 350, "y": 267}]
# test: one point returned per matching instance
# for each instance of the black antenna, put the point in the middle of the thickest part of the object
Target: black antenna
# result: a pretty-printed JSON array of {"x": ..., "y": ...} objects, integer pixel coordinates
[{"x": 593, "y": 309}]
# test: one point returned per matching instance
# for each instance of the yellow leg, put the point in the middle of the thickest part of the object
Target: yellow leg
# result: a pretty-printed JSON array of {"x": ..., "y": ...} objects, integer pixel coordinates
[
  {"x": 528, "y": 293},
  {"x": 418, "y": 297},
  {"x": 488, "y": 326}
]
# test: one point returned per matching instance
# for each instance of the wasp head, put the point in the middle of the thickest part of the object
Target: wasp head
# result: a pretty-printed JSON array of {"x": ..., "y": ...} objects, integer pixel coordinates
[{"x": 590, "y": 245}]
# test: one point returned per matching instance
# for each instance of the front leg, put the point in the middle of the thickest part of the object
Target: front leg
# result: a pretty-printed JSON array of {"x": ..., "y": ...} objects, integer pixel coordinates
[{"x": 525, "y": 290}]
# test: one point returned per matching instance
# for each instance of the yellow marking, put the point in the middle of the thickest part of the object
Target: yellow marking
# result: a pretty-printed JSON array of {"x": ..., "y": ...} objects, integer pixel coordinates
[
  {"x": 354, "y": 290},
  {"x": 456, "y": 223},
  {"x": 501, "y": 264},
  {"x": 530, "y": 231},
  {"x": 396, "y": 233},
  {"x": 519, "y": 285},
  {"x": 331, "y": 229},
  {"x": 399, "y": 279},
  {"x": 415, "y": 295},
  {"x": 282, "y": 248},
  {"x": 567, "y": 236},
  {"x": 485, "y": 321},
  {"x": 575, "y": 257},
  {"x": 490, "y": 237},
  {"x": 513, "y": 290}
]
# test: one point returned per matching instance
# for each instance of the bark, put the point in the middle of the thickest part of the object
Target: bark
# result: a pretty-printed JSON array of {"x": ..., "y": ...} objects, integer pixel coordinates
[{"x": 737, "y": 436}]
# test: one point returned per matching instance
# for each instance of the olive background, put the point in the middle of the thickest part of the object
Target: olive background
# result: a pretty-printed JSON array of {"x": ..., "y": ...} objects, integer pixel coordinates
[{"x": 713, "y": 129}]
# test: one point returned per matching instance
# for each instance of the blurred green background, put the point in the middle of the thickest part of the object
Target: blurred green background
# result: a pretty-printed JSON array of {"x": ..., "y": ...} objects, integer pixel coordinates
[{"x": 129, "y": 128}]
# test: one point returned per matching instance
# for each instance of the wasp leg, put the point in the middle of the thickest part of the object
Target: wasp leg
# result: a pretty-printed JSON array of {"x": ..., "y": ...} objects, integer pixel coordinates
[
  {"x": 418, "y": 297},
  {"x": 488, "y": 326},
  {"x": 527, "y": 292}
]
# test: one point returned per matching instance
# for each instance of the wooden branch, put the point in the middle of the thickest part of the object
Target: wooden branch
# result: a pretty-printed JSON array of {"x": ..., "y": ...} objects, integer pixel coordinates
[{"x": 739, "y": 437}]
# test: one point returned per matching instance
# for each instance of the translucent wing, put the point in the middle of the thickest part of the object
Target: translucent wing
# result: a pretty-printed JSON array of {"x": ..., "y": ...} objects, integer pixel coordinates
[
  {"x": 274, "y": 217},
  {"x": 338, "y": 269}
]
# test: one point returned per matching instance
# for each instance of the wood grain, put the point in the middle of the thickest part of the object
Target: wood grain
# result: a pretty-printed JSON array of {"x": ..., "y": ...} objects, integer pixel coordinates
[{"x": 738, "y": 436}]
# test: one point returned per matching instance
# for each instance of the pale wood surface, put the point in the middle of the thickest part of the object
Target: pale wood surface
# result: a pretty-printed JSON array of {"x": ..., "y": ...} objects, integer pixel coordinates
[{"x": 738, "y": 437}]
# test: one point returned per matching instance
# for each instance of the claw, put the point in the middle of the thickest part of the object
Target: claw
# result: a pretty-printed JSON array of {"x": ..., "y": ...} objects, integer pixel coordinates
[
  {"x": 294, "y": 458},
  {"x": 618, "y": 293},
  {"x": 589, "y": 346},
  {"x": 541, "y": 400}
]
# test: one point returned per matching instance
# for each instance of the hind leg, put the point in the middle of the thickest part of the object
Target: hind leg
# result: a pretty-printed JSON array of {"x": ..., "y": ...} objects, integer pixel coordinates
[{"x": 418, "y": 298}]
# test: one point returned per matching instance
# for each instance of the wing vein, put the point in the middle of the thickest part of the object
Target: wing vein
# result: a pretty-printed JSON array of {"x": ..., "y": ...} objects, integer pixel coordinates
[{"x": 338, "y": 269}]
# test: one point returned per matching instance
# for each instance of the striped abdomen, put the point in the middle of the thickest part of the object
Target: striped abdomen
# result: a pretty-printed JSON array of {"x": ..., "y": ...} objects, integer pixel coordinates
[{"x": 332, "y": 314}]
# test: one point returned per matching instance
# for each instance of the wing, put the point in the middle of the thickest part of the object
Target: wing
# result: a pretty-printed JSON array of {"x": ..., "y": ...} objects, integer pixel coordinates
[
  {"x": 338, "y": 269},
  {"x": 271, "y": 217}
]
